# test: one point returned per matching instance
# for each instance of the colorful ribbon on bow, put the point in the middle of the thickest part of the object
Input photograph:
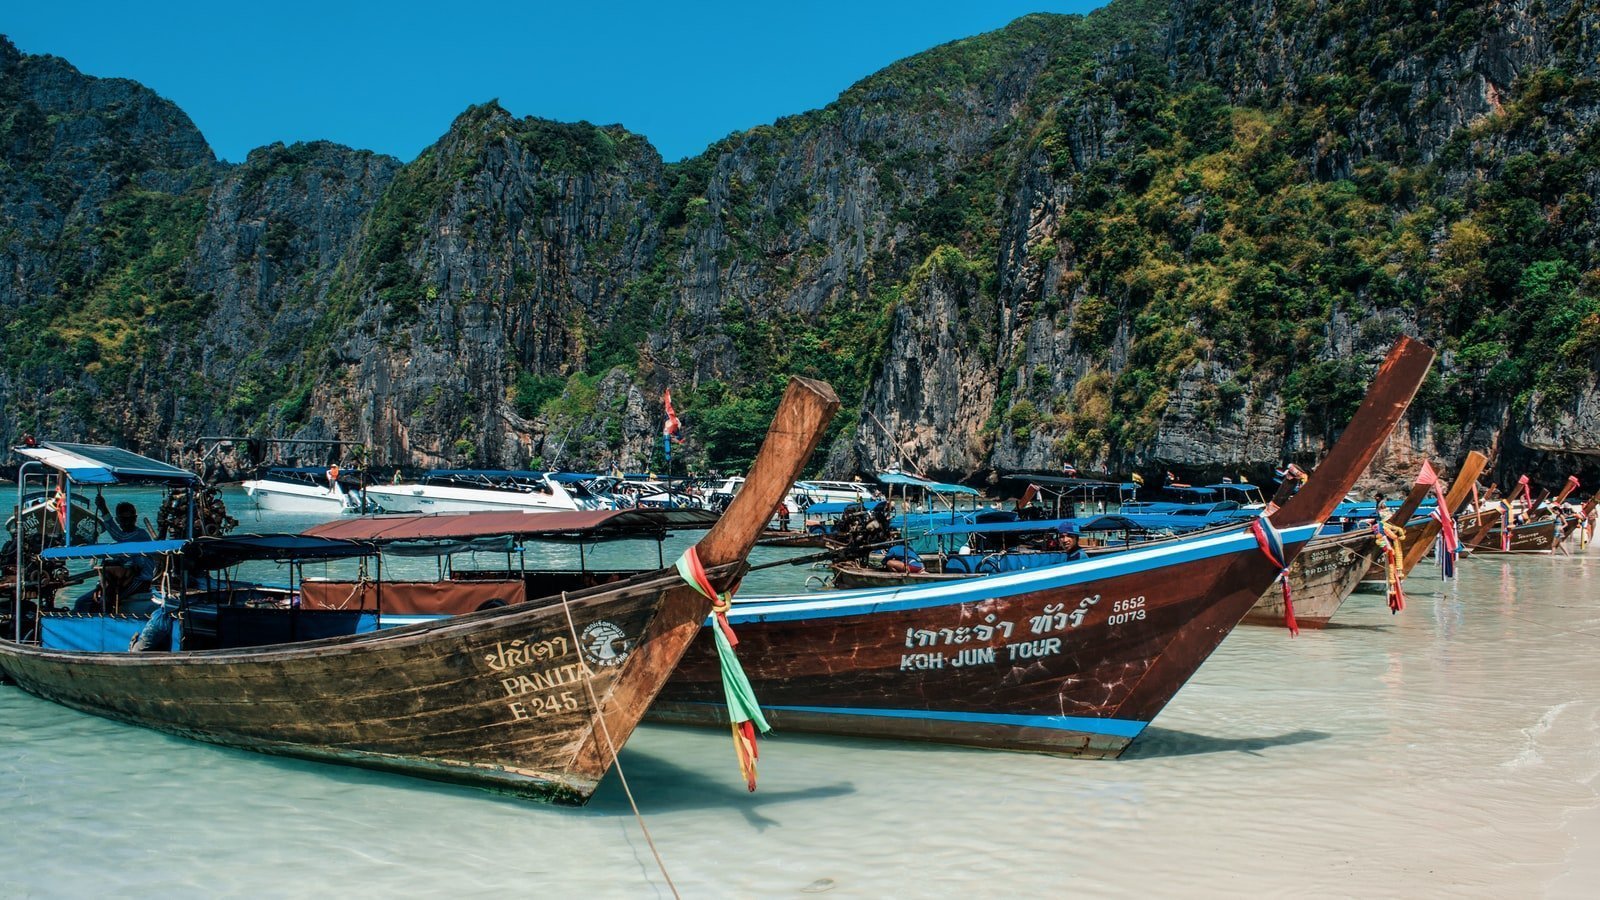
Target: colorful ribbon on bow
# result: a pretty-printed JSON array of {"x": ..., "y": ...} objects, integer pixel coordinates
[
  {"x": 744, "y": 712},
  {"x": 1271, "y": 543},
  {"x": 1390, "y": 537}
]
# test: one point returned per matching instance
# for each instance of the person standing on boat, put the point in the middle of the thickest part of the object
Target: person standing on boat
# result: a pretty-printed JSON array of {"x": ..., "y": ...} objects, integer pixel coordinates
[
  {"x": 783, "y": 516},
  {"x": 130, "y": 575}
]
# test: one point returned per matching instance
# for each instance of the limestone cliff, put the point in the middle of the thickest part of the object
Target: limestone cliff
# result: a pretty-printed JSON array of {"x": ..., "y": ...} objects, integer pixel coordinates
[{"x": 1168, "y": 234}]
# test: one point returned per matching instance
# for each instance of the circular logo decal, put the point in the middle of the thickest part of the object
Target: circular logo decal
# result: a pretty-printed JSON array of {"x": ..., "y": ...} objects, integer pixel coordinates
[{"x": 605, "y": 644}]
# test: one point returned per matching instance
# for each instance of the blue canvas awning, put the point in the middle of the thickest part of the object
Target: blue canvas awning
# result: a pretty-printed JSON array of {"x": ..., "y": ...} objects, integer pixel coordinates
[
  {"x": 1095, "y": 523},
  {"x": 937, "y": 487},
  {"x": 108, "y": 551}
]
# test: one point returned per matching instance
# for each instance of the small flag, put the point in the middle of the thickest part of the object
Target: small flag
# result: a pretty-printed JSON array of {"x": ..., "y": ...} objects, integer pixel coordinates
[
  {"x": 672, "y": 426},
  {"x": 1427, "y": 476}
]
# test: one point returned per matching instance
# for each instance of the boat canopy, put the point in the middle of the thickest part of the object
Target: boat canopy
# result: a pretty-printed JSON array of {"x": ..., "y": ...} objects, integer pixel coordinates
[
  {"x": 482, "y": 473},
  {"x": 227, "y": 551},
  {"x": 1023, "y": 526},
  {"x": 596, "y": 524},
  {"x": 112, "y": 551},
  {"x": 99, "y": 464},
  {"x": 571, "y": 477},
  {"x": 1068, "y": 481},
  {"x": 837, "y": 507},
  {"x": 937, "y": 487},
  {"x": 1232, "y": 486}
]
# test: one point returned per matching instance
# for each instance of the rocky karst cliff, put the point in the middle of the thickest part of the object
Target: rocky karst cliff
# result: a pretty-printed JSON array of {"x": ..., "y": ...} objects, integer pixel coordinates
[{"x": 1170, "y": 234}]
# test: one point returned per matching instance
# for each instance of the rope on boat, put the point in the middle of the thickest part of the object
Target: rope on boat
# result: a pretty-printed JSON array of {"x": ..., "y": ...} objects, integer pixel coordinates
[{"x": 616, "y": 763}]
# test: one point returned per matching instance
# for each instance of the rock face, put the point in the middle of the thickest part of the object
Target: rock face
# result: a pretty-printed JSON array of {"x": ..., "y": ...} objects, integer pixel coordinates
[{"x": 1169, "y": 234}]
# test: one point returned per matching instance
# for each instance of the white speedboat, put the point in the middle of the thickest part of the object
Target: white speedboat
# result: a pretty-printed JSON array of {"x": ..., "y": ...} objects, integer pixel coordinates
[
  {"x": 465, "y": 490},
  {"x": 306, "y": 489},
  {"x": 831, "y": 492}
]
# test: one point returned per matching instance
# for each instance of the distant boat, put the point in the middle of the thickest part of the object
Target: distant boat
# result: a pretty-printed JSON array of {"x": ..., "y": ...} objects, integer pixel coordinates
[
  {"x": 1073, "y": 659},
  {"x": 532, "y": 698},
  {"x": 1322, "y": 577},
  {"x": 466, "y": 490},
  {"x": 307, "y": 489}
]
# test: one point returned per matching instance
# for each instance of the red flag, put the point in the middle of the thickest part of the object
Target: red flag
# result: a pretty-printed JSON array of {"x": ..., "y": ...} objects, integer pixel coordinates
[{"x": 672, "y": 425}]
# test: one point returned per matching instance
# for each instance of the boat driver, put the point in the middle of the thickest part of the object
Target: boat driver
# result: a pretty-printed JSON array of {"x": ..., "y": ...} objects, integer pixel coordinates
[
  {"x": 125, "y": 577},
  {"x": 1070, "y": 549}
]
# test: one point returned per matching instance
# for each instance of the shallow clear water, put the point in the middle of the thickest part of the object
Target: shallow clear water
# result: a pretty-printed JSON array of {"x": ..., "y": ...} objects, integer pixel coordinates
[{"x": 1451, "y": 749}]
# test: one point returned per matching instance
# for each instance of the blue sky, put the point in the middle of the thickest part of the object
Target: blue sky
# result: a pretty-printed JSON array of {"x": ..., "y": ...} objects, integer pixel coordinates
[{"x": 391, "y": 77}]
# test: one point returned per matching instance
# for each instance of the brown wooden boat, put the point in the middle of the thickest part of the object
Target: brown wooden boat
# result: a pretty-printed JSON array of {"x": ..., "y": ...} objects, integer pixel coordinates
[
  {"x": 1540, "y": 536},
  {"x": 531, "y": 698},
  {"x": 1421, "y": 531},
  {"x": 1456, "y": 498},
  {"x": 1073, "y": 659},
  {"x": 1321, "y": 578}
]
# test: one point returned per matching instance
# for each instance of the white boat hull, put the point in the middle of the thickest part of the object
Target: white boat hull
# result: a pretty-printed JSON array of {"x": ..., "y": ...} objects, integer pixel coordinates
[
  {"x": 435, "y": 498},
  {"x": 279, "y": 497}
]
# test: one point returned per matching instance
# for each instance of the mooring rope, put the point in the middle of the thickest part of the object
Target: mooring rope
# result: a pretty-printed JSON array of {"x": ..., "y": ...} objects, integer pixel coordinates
[{"x": 588, "y": 686}]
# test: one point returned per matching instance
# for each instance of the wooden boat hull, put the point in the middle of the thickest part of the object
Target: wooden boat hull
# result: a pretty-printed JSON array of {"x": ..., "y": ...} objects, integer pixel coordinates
[
  {"x": 851, "y": 576},
  {"x": 1074, "y": 659},
  {"x": 774, "y": 538},
  {"x": 496, "y": 699},
  {"x": 1071, "y": 660},
  {"x": 1535, "y": 537},
  {"x": 1321, "y": 578}
]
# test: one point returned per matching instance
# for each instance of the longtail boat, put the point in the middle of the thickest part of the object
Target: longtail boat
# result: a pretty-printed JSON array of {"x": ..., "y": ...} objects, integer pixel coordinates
[
  {"x": 1584, "y": 520},
  {"x": 1074, "y": 659},
  {"x": 1321, "y": 578},
  {"x": 532, "y": 699},
  {"x": 1460, "y": 490}
]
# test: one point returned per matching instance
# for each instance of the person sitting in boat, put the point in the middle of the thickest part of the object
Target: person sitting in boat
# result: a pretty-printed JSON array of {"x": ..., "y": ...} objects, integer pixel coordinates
[
  {"x": 901, "y": 558},
  {"x": 1070, "y": 548},
  {"x": 127, "y": 577}
]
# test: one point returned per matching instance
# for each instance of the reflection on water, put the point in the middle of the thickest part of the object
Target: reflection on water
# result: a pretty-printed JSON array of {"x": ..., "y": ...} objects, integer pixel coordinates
[{"x": 1449, "y": 749}]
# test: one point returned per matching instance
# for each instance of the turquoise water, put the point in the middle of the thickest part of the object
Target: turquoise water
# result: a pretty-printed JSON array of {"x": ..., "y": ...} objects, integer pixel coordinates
[{"x": 1452, "y": 749}]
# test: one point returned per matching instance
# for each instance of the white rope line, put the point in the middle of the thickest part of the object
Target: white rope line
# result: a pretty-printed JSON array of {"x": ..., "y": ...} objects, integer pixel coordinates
[{"x": 588, "y": 686}]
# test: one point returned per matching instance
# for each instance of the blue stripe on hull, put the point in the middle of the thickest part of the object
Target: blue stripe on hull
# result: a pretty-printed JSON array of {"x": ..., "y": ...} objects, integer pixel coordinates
[
  {"x": 990, "y": 587},
  {"x": 1126, "y": 728}
]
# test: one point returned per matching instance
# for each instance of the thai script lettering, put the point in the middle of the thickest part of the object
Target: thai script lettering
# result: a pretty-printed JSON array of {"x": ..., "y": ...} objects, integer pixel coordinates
[{"x": 525, "y": 653}]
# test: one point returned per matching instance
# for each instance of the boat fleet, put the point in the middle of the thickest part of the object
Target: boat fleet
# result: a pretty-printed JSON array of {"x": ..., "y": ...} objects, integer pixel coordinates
[{"x": 1055, "y": 626}]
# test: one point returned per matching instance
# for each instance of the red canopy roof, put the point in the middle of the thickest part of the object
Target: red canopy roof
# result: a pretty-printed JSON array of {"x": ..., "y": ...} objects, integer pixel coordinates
[{"x": 588, "y": 524}]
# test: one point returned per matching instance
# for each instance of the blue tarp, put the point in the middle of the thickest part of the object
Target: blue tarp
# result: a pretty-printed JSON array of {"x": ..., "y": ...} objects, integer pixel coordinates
[
  {"x": 1093, "y": 523},
  {"x": 935, "y": 486},
  {"x": 89, "y": 633},
  {"x": 107, "y": 551}
]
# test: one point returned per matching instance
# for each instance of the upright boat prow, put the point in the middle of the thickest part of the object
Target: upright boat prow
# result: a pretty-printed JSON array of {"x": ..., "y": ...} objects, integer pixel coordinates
[
  {"x": 1073, "y": 659},
  {"x": 511, "y": 698}
]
